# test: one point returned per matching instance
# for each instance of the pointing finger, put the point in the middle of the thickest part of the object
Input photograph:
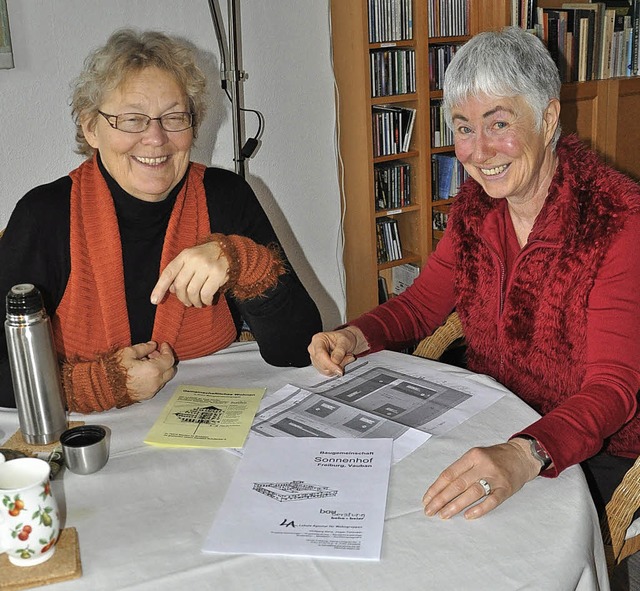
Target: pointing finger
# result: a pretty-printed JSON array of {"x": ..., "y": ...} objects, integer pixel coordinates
[{"x": 165, "y": 281}]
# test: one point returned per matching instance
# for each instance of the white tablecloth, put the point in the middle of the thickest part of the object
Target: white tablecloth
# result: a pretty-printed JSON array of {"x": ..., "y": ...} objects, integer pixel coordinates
[{"x": 142, "y": 519}]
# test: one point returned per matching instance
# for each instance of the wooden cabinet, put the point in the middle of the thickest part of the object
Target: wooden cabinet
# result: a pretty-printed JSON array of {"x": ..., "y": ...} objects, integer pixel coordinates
[
  {"x": 581, "y": 102},
  {"x": 622, "y": 131},
  {"x": 605, "y": 113}
]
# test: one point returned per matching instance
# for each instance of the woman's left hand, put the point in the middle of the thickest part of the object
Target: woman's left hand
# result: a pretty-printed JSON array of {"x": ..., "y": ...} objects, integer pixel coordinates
[
  {"x": 194, "y": 276},
  {"x": 148, "y": 367},
  {"x": 506, "y": 467}
]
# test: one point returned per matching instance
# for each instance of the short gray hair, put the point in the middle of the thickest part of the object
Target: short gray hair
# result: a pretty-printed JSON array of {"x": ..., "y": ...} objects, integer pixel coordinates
[
  {"x": 506, "y": 63},
  {"x": 128, "y": 51}
]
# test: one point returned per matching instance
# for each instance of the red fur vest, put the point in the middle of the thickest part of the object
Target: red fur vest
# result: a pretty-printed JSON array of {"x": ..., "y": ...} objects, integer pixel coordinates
[{"x": 540, "y": 315}]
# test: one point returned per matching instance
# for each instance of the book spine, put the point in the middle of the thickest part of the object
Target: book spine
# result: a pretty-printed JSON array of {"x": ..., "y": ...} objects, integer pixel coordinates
[{"x": 635, "y": 37}]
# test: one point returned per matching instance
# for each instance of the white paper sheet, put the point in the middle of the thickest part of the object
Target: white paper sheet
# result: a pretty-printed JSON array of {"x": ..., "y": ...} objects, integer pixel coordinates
[
  {"x": 306, "y": 497},
  {"x": 403, "y": 398}
]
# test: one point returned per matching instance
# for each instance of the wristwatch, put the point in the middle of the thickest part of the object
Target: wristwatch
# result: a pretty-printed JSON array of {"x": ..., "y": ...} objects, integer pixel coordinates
[{"x": 538, "y": 452}]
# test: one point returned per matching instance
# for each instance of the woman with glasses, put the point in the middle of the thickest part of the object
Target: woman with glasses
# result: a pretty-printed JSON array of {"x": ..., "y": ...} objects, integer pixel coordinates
[{"x": 144, "y": 257}]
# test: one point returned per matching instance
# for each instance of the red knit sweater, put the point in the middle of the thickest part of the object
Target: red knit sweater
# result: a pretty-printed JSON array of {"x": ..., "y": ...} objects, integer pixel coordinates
[{"x": 559, "y": 327}]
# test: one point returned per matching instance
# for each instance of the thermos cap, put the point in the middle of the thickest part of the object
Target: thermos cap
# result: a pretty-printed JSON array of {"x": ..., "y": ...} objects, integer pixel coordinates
[{"x": 24, "y": 299}]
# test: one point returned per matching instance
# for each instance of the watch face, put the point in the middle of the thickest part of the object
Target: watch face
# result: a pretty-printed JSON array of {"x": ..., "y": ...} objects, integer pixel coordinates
[{"x": 540, "y": 453}]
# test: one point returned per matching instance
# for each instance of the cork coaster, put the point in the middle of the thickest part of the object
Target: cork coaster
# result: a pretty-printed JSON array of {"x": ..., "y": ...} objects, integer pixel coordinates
[
  {"x": 64, "y": 565},
  {"x": 17, "y": 442}
]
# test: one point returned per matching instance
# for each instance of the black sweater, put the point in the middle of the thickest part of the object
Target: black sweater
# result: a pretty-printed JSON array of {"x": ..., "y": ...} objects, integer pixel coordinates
[{"x": 35, "y": 249}]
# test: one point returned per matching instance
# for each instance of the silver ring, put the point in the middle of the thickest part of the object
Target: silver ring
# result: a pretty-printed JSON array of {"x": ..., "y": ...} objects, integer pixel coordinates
[{"x": 487, "y": 487}]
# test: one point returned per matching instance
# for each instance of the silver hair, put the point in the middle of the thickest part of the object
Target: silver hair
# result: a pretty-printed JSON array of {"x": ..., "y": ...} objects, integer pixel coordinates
[
  {"x": 126, "y": 52},
  {"x": 506, "y": 63}
]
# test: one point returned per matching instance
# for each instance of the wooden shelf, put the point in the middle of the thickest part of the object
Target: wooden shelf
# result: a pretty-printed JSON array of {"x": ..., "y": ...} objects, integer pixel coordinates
[
  {"x": 394, "y": 99},
  {"x": 398, "y": 156},
  {"x": 392, "y": 44},
  {"x": 351, "y": 58},
  {"x": 604, "y": 113},
  {"x": 441, "y": 149},
  {"x": 407, "y": 258},
  {"x": 399, "y": 210},
  {"x": 445, "y": 40}
]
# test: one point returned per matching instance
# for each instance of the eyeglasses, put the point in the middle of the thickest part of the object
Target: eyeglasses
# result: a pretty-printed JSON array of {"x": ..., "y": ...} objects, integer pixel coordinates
[{"x": 138, "y": 122}]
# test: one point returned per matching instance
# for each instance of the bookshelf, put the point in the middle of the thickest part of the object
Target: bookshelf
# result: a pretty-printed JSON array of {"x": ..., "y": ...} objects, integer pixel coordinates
[
  {"x": 354, "y": 57},
  {"x": 597, "y": 110},
  {"x": 603, "y": 109}
]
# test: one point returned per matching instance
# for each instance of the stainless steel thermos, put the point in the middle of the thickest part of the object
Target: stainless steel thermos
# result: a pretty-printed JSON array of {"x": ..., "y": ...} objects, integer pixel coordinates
[{"x": 34, "y": 366}]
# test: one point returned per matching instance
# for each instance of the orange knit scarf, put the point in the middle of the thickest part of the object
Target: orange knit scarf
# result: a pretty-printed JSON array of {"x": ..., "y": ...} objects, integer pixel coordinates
[{"x": 92, "y": 316}]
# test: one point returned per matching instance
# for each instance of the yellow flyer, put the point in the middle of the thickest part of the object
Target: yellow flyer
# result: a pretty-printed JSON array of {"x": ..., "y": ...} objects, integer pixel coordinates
[{"x": 197, "y": 416}]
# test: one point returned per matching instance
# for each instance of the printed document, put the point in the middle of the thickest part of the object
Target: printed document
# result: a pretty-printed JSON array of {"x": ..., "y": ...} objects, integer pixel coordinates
[
  {"x": 394, "y": 395},
  {"x": 197, "y": 416},
  {"x": 306, "y": 497}
]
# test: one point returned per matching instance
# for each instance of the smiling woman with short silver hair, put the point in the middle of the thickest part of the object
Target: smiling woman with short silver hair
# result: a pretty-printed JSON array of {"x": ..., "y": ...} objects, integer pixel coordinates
[{"x": 541, "y": 260}]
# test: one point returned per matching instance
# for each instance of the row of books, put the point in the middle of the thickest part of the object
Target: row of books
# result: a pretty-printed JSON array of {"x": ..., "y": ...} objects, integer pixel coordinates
[
  {"x": 441, "y": 134},
  {"x": 388, "y": 243},
  {"x": 448, "y": 18},
  {"x": 447, "y": 174},
  {"x": 392, "y": 185},
  {"x": 439, "y": 58},
  {"x": 392, "y": 129},
  {"x": 523, "y": 12},
  {"x": 587, "y": 40},
  {"x": 393, "y": 71},
  {"x": 390, "y": 20}
]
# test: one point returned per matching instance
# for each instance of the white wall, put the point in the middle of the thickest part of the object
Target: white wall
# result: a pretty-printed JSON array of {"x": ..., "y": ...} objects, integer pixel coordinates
[{"x": 286, "y": 53}]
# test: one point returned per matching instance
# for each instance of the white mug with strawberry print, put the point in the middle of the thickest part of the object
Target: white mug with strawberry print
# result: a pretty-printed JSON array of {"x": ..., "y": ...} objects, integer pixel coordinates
[{"x": 29, "y": 519}]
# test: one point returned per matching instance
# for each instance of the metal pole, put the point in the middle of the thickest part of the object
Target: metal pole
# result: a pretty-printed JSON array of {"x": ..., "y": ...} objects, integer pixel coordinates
[{"x": 236, "y": 76}]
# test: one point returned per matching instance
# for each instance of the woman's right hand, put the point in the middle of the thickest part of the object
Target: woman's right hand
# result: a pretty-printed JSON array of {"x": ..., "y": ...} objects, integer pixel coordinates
[
  {"x": 149, "y": 367},
  {"x": 331, "y": 351},
  {"x": 194, "y": 276}
]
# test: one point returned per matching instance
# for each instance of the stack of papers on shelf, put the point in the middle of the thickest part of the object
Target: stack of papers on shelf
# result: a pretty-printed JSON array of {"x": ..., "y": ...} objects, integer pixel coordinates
[
  {"x": 306, "y": 497},
  {"x": 402, "y": 276}
]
